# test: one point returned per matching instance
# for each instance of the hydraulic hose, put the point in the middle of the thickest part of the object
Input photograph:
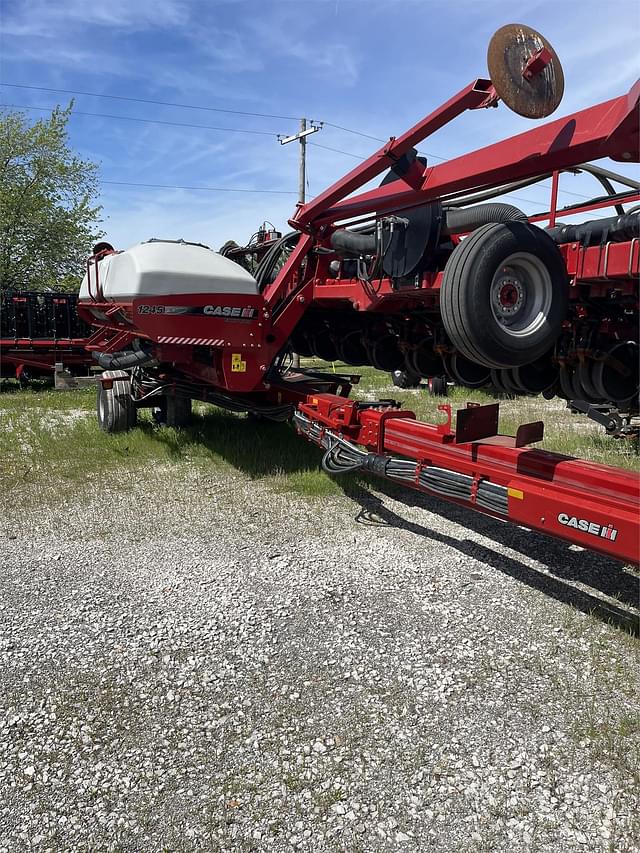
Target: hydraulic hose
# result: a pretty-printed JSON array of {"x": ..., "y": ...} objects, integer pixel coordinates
[
  {"x": 347, "y": 242},
  {"x": 455, "y": 221},
  {"x": 458, "y": 220},
  {"x": 122, "y": 360},
  {"x": 616, "y": 229}
]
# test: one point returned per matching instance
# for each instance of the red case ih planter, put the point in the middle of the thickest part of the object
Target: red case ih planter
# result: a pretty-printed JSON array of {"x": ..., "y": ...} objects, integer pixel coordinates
[{"x": 402, "y": 284}]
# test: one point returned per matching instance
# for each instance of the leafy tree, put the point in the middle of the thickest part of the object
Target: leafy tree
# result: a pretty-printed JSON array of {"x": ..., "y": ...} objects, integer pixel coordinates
[{"x": 47, "y": 203}]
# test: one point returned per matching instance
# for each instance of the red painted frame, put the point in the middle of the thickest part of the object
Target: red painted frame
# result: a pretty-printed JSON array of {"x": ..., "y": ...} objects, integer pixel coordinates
[
  {"x": 545, "y": 490},
  {"x": 42, "y": 354}
]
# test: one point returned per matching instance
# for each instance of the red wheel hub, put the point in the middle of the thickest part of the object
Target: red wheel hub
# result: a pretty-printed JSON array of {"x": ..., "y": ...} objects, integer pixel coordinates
[{"x": 508, "y": 295}]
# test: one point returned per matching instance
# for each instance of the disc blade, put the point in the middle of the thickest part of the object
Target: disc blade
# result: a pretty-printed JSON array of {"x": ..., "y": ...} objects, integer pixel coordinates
[{"x": 510, "y": 49}]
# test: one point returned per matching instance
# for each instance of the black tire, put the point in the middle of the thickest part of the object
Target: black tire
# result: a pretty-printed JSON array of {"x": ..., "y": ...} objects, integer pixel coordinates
[
  {"x": 565, "y": 383},
  {"x": 423, "y": 360},
  {"x": 585, "y": 377},
  {"x": 510, "y": 384},
  {"x": 115, "y": 409},
  {"x": 323, "y": 345},
  {"x": 496, "y": 382},
  {"x": 405, "y": 379},
  {"x": 504, "y": 294},
  {"x": 300, "y": 345},
  {"x": 537, "y": 377}
]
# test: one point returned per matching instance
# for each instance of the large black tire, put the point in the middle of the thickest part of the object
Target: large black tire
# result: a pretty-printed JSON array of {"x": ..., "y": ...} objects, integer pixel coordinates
[
  {"x": 423, "y": 359},
  {"x": 351, "y": 349},
  {"x": 115, "y": 409},
  {"x": 504, "y": 294}
]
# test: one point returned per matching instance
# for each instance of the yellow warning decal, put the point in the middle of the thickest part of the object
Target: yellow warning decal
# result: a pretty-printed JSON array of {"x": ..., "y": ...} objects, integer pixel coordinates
[
  {"x": 515, "y": 493},
  {"x": 237, "y": 363}
]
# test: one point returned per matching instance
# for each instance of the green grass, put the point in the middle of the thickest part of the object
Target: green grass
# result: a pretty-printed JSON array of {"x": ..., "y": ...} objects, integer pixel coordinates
[{"x": 51, "y": 442}]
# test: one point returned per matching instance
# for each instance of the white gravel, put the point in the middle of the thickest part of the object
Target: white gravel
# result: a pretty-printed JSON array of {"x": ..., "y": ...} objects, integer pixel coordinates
[{"x": 198, "y": 663}]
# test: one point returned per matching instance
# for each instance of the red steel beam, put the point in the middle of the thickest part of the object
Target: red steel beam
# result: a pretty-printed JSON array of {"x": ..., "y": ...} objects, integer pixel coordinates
[
  {"x": 543, "y": 487},
  {"x": 609, "y": 129},
  {"x": 471, "y": 97},
  {"x": 594, "y": 506}
]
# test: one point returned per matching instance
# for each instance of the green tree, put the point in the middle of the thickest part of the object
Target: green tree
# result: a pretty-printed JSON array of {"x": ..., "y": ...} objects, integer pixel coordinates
[{"x": 48, "y": 211}]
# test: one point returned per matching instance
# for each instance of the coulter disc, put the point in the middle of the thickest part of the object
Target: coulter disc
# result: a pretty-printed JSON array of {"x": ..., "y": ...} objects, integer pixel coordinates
[{"x": 525, "y": 71}]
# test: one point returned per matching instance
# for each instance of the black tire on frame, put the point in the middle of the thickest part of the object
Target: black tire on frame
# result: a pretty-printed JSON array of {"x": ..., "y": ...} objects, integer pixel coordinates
[
  {"x": 115, "y": 409},
  {"x": 504, "y": 294}
]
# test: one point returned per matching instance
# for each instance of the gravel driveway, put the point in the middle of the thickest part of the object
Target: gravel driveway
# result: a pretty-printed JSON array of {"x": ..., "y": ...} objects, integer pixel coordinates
[{"x": 199, "y": 663}]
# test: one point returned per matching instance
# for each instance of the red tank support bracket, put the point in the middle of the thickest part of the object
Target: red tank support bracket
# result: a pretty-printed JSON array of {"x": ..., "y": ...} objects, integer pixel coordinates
[{"x": 590, "y": 505}]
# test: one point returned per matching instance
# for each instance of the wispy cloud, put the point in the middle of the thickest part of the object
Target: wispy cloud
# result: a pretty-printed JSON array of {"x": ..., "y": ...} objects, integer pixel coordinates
[
  {"x": 294, "y": 36},
  {"x": 43, "y": 19}
]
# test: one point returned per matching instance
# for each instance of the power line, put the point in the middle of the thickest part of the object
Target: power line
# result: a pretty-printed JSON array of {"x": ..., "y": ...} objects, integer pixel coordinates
[
  {"x": 356, "y": 132},
  {"x": 336, "y": 150},
  {"x": 148, "y": 101},
  {"x": 147, "y": 120},
  {"x": 377, "y": 139},
  {"x": 214, "y": 127},
  {"x": 191, "y": 107},
  {"x": 207, "y": 189}
]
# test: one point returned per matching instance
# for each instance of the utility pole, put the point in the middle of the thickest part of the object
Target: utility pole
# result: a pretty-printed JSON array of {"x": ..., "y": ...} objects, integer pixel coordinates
[
  {"x": 301, "y": 136},
  {"x": 302, "y": 174}
]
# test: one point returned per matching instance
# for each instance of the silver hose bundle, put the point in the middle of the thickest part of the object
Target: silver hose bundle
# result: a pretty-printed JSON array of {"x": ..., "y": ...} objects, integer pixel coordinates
[{"x": 342, "y": 457}]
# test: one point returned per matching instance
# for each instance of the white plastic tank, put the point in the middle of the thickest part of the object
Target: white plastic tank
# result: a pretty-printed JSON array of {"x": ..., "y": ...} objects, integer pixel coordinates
[{"x": 167, "y": 268}]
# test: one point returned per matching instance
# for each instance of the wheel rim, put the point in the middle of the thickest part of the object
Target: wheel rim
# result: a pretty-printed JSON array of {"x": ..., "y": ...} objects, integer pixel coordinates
[
  {"x": 521, "y": 295},
  {"x": 102, "y": 406}
]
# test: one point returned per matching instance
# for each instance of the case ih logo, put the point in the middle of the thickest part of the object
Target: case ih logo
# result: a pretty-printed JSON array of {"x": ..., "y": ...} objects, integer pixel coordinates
[
  {"x": 604, "y": 531},
  {"x": 229, "y": 312}
]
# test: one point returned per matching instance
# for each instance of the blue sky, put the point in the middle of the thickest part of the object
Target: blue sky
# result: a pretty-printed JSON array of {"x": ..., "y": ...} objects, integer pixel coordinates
[{"x": 376, "y": 67}]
